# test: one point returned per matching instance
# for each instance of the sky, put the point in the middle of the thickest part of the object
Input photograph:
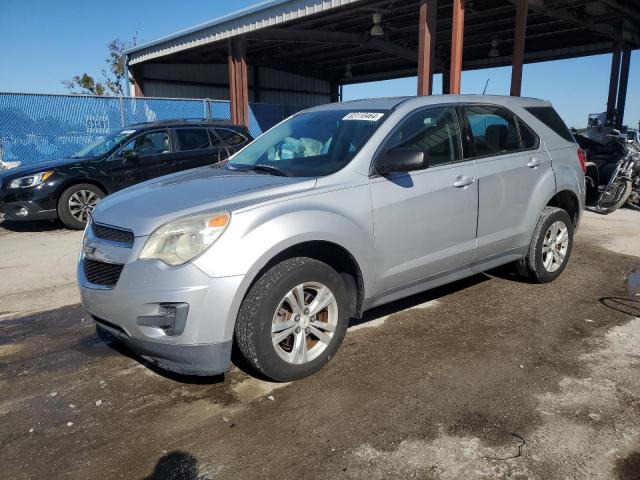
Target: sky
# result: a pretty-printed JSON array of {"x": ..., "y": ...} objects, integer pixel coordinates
[{"x": 45, "y": 42}]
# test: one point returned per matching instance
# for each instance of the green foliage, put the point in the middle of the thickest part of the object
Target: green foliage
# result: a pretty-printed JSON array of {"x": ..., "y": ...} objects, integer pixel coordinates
[{"x": 113, "y": 77}]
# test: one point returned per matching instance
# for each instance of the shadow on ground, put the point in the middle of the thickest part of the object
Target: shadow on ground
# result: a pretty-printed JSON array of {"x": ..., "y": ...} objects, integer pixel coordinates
[{"x": 32, "y": 226}]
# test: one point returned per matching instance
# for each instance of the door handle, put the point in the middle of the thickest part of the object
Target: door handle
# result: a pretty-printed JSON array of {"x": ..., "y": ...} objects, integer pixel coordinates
[
  {"x": 534, "y": 162},
  {"x": 463, "y": 181}
]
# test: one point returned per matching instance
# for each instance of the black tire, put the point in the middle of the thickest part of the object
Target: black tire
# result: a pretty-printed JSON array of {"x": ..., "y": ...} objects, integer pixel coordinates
[
  {"x": 254, "y": 322},
  {"x": 64, "y": 212},
  {"x": 532, "y": 266},
  {"x": 621, "y": 191}
]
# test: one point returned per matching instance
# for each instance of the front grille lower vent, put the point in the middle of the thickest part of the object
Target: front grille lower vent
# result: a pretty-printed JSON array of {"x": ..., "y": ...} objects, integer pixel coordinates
[
  {"x": 102, "y": 273},
  {"x": 112, "y": 234}
]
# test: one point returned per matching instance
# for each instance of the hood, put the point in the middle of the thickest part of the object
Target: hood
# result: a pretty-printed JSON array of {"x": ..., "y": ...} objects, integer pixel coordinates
[
  {"x": 24, "y": 170},
  {"x": 146, "y": 206}
]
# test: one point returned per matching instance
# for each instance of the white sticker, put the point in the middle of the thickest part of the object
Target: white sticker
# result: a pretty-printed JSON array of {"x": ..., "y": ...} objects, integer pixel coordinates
[
  {"x": 371, "y": 116},
  {"x": 127, "y": 132}
]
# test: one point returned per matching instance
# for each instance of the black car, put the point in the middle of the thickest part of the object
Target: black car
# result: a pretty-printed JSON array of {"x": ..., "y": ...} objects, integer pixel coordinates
[{"x": 69, "y": 189}]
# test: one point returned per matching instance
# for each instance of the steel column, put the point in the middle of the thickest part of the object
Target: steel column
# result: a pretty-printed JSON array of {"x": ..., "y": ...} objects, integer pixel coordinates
[
  {"x": 457, "y": 36},
  {"x": 622, "y": 89},
  {"x": 238, "y": 83},
  {"x": 426, "y": 45},
  {"x": 446, "y": 81},
  {"x": 518, "y": 48},
  {"x": 613, "y": 83},
  {"x": 136, "y": 77}
]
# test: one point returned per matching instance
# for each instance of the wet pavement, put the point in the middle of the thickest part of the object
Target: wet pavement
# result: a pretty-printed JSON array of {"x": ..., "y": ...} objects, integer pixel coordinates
[{"x": 487, "y": 378}]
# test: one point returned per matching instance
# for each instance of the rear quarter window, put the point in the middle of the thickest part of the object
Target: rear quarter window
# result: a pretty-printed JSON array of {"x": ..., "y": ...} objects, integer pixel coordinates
[{"x": 551, "y": 119}]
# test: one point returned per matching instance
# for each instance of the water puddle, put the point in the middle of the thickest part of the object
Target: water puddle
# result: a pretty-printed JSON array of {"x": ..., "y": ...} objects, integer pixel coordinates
[{"x": 633, "y": 284}]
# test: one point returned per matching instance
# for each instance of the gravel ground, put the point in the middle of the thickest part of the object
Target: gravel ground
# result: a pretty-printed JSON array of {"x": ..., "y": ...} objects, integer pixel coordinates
[{"x": 486, "y": 378}]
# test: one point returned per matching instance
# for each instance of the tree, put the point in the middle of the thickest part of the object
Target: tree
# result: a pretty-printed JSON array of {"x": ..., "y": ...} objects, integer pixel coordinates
[{"x": 113, "y": 77}]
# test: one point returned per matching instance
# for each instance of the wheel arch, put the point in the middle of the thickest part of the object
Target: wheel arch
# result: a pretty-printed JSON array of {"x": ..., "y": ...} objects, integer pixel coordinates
[
  {"x": 568, "y": 201},
  {"x": 334, "y": 255}
]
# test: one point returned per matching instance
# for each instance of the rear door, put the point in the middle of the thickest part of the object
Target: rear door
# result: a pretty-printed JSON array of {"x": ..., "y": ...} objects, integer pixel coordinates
[
  {"x": 425, "y": 220},
  {"x": 193, "y": 148},
  {"x": 146, "y": 156},
  {"x": 511, "y": 165}
]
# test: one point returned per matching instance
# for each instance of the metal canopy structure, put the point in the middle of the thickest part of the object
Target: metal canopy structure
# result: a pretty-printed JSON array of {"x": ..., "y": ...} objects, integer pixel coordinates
[{"x": 350, "y": 41}]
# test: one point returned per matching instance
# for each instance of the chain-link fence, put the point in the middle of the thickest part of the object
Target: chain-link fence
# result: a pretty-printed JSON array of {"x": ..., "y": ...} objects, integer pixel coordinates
[{"x": 41, "y": 127}]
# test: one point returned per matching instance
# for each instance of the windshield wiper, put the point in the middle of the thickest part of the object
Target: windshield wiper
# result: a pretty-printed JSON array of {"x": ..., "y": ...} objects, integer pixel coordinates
[{"x": 270, "y": 169}]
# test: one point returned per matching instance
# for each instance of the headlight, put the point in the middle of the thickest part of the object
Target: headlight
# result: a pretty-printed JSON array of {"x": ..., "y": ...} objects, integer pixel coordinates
[
  {"x": 30, "y": 180},
  {"x": 179, "y": 241}
]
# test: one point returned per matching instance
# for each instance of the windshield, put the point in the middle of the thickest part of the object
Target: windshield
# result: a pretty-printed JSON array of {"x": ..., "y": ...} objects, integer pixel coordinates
[
  {"x": 103, "y": 144},
  {"x": 310, "y": 144}
]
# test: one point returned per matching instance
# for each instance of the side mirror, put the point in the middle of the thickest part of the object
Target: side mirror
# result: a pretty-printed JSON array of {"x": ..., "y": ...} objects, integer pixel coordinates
[{"x": 401, "y": 160}]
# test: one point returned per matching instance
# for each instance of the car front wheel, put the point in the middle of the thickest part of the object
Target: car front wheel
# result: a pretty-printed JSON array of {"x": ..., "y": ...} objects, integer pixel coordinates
[
  {"x": 293, "y": 319},
  {"x": 76, "y": 204}
]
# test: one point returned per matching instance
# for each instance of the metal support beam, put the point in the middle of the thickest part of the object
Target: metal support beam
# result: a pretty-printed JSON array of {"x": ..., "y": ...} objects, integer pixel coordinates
[
  {"x": 299, "y": 35},
  {"x": 426, "y": 45},
  {"x": 238, "y": 83},
  {"x": 613, "y": 83},
  {"x": 457, "y": 37},
  {"x": 622, "y": 89},
  {"x": 518, "y": 48},
  {"x": 604, "y": 29},
  {"x": 136, "y": 80}
]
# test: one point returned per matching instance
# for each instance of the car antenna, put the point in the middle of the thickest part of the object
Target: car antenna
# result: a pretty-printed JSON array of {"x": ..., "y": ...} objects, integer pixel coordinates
[{"x": 485, "y": 86}]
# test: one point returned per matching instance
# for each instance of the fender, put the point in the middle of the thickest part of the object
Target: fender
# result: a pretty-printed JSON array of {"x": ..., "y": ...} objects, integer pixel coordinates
[{"x": 269, "y": 230}]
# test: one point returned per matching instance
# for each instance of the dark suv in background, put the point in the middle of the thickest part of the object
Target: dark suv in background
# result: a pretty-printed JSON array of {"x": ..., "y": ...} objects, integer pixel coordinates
[{"x": 69, "y": 189}]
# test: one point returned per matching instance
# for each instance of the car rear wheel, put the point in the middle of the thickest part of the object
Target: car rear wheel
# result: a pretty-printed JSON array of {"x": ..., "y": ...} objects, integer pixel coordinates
[
  {"x": 293, "y": 319},
  {"x": 550, "y": 247},
  {"x": 76, "y": 204}
]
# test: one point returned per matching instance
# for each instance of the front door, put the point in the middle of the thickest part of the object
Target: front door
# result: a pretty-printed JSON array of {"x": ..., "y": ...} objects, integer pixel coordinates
[
  {"x": 425, "y": 221},
  {"x": 144, "y": 157}
]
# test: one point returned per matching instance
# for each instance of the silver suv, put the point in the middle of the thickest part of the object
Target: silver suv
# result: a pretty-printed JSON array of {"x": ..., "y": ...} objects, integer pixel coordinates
[{"x": 337, "y": 209}]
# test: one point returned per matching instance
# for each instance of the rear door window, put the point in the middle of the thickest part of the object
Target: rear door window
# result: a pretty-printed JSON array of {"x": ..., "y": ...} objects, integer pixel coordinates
[
  {"x": 230, "y": 137},
  {"x": 192, "y": 139},
  {"x": 551, "y": 119},
  {"x": 434, "y": 131},
  {"x": 493, "y": 130},
  {"x": 529, "y": 139}
]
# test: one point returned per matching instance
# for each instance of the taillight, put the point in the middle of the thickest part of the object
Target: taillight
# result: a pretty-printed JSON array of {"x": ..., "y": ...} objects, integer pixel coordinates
[{"x": 582, "y": 158}]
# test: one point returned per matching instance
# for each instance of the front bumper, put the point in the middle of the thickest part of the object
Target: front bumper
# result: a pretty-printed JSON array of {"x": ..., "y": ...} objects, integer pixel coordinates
[
  {"x": 212, "y": 359},
  {"x": 202, "y": 346},
  {"x": 26, "y": 210}
]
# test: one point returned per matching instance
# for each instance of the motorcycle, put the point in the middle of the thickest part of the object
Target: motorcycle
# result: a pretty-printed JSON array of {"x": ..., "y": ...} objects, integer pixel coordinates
[{"x": 613, "y": 174}]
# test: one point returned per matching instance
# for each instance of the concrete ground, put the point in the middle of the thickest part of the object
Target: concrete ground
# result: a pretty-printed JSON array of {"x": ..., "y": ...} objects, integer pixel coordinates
[{"x": 486, "y": 378}]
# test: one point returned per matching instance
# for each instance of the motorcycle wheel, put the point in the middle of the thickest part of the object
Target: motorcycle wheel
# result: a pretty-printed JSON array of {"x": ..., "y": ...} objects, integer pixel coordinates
[{"x": 612, "y": 199}]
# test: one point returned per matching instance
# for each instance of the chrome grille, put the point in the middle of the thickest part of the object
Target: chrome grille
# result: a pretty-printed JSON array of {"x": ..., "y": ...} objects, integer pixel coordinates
[
  {"x": 112, "y": 234},
  {"x": 102, "y": 273}
]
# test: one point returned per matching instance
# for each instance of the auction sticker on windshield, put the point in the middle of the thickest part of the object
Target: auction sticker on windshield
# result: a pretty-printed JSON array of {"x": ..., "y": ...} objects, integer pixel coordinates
[{"x": 371, "y": 116}]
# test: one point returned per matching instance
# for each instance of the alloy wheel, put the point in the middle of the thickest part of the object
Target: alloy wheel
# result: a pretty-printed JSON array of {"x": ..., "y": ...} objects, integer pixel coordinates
[
  {"x": 82, "y": 203},
  {"x": 554, "y": 246},
  {"x": 304, "y": 323}
]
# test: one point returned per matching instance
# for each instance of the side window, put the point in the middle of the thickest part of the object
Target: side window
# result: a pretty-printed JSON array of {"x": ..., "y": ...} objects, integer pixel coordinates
[
  {"x": 493, "y": 130},
  {"x": 435, "y": 131},
  {"x": 149, "y": 143},
  {"x": 192, "y": 139},
  {"x": 529, "y": 139},
  {"x": 551, "y": 119},
  {"x": 229, "y": 137}
]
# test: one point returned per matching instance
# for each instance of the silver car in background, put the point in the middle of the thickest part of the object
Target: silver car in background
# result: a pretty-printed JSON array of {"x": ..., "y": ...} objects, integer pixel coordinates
[{"x": 336, "y": 210}]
